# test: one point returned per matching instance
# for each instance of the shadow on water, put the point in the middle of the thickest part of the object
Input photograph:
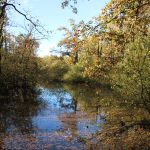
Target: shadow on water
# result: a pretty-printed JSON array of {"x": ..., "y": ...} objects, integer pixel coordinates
[{"x": 62, "y": 116}]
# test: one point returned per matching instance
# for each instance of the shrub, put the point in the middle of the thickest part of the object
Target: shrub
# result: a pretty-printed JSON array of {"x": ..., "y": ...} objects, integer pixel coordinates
[
  {"x": 131, "y": 77},
  {"x": 75, "y": 74}
]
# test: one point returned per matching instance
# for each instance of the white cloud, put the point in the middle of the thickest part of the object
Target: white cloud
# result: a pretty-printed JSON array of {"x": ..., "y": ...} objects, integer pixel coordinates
[{"x": 45, "y": 48}]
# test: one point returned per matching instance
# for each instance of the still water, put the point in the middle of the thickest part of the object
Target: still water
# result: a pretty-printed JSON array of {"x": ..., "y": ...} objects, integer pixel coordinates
[{"x": 57, "y": 117}]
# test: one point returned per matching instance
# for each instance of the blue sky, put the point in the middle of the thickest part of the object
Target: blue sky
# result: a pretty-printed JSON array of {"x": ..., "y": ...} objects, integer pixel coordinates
[{"x": 52, "y": 16}]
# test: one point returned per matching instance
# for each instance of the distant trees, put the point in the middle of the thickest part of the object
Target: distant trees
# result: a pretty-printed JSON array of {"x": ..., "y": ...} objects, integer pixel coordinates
[
  {"x": 73, "y": 40},
  {"x": 52, "y": 69}
]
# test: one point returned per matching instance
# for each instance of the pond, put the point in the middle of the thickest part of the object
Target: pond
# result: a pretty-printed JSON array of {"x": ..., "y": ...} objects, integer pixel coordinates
[
  {"x": 57, "y": 117},
  {"x": 72, "y": 117}
]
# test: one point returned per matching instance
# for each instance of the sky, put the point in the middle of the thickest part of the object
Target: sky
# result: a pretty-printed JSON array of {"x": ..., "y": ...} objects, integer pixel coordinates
[{"x": 52, "y": 16}]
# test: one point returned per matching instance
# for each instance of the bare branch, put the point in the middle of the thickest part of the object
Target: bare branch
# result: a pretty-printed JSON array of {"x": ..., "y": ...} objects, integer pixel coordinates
[{"x": 5, "y": 4}]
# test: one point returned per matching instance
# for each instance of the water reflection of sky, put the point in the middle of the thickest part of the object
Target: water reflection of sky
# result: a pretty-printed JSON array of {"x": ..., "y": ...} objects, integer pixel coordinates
[
  {"x": 54, "y": 117},
  {"x": 54, "y": 96},
  {"x": 58, "y": 124}
]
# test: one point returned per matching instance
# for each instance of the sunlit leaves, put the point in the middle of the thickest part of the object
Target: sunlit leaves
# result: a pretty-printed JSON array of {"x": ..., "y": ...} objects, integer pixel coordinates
[{"x": 132, "y": 74}]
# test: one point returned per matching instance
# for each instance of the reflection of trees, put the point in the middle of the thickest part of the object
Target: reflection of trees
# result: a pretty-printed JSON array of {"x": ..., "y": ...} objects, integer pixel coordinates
[
  {"x": 1, "y": 142},
  {"x": 16, "y": 116},
  {"x": 69, "y": 122},
  {"x": 60, "y": 93},
  {"x": 84, "y": 98},
  {"x": 126, "y": 127},
  {"x": 87, "y": 98},
  {"x": 16, "y": 119},
  {"x": 69, "y": 105}
]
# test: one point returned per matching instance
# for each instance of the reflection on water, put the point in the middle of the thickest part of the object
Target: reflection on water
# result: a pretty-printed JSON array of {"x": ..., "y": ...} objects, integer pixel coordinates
[
  {"x": 57, "y": 117},
  {"x": 61, "y": 117},
  {"x": 127, "y": 126}
]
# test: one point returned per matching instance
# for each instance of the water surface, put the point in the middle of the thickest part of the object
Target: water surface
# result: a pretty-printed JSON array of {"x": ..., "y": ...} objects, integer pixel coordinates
[{"x": 56, "y": 117}]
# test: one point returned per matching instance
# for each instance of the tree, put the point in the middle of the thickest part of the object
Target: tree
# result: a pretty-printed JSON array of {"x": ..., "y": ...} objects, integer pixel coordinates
[
  {"x": 131, "y": 76},
  {"x": 126, "y": 20},
  {"x": 73, "y": 40},
  {"x": 66, "y": 3},
  {"x": 19, "y": 65},
  {"x": 4, "y": 5}
]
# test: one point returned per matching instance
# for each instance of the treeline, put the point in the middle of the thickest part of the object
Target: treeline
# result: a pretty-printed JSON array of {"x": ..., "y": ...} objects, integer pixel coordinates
[
  {"x": 113, "y": 49},
  {"x": 58, "y": 69}
]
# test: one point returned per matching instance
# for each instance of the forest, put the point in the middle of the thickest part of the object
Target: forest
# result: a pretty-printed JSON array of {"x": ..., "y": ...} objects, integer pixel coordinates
[{"x": 108, "y": 54}]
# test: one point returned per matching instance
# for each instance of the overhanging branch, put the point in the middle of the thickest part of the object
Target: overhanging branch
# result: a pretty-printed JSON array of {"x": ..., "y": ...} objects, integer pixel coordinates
[{"x": 5, "y": 4}]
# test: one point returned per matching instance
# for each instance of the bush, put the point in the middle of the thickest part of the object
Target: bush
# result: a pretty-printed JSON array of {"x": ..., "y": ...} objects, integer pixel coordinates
[
  {"x": 53, "y": 68},
  {"x": 131, "y": 77},
  {"x": 75, "y": 74}
]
